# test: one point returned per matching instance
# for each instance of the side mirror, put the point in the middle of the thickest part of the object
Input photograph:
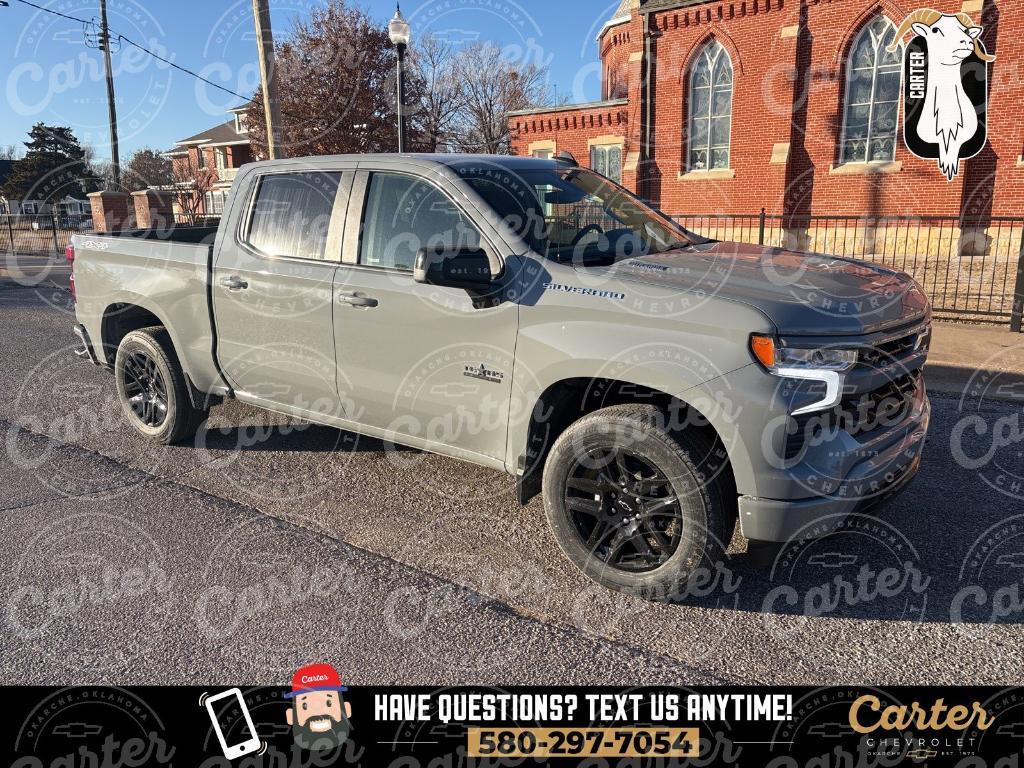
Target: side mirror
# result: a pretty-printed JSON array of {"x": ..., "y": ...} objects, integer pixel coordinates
[{"x": 453, "y": 268}]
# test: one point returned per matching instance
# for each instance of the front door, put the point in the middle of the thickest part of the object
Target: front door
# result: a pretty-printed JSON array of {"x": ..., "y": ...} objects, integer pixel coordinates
[
  {"x": 420, "y": 361},
  {"x": 273, "y": 293}
]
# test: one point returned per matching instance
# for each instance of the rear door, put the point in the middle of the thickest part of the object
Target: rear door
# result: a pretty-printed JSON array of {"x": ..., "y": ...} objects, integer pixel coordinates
[
  {"x": 431, "y": 364},
  {"x": 272, "y": 288}
]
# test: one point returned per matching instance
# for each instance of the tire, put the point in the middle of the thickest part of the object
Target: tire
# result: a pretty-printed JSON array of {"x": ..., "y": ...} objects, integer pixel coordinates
[
  {"x": 692, "y": 533},
  {"x": 152, "y": 389}
]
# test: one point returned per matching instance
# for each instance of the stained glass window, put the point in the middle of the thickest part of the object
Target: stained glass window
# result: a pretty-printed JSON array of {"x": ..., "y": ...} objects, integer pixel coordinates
[
  {"x": 872, "y": 95},
  {"x": 710, "y": 121}
]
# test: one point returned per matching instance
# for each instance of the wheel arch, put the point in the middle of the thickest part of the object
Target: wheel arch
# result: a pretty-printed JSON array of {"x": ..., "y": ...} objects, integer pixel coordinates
[
  {"x": 567, "y": 400},
  {"x": 120, "y": 318}
]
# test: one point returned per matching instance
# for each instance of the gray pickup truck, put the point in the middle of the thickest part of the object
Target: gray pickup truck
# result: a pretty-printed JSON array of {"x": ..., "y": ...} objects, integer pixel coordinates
[{"x": 529, "y": 315}]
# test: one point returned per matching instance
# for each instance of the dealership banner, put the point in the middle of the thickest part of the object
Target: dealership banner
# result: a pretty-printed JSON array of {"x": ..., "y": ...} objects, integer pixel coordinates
[{"x": 320, "y": 722}]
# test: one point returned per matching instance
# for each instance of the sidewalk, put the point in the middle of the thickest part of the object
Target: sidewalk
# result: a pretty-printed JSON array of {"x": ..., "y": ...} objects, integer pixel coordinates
[
  {"x": 959, "y": 352},
  {"x": 34, "y": 272}
]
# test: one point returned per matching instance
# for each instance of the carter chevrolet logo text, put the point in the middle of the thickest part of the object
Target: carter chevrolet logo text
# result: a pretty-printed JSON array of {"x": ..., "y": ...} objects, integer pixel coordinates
[{"x": 899, "y": 717}]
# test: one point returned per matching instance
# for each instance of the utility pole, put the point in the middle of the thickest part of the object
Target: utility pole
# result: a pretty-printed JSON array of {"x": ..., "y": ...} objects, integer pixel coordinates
[
  {"x": 115, "y": 161},
  {"x": 268, "y": 76}
]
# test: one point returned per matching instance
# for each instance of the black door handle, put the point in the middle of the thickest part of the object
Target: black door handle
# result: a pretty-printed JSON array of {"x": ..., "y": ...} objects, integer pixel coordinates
[
  {"x": 354, "y": 300},
  {"x": 234, "y": 283}
]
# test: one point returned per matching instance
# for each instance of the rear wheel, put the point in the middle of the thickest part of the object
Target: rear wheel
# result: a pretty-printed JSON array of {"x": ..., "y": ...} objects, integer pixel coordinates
[
  {"x": 152, "y": 388},
  {"x": 636, "y": 506}
]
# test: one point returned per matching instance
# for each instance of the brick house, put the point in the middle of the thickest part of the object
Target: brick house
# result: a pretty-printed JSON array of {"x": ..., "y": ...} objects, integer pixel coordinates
[
  {"x": 728, "y": 106},
  {"x": 221, "y": 151}
]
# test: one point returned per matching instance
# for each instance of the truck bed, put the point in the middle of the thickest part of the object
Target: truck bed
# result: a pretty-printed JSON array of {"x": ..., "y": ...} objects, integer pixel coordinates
[{"x": 164, "y": 272}]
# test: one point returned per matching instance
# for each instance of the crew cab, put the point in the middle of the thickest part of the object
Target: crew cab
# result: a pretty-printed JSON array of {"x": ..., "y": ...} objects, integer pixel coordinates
[{"x": 531, "y": 316}]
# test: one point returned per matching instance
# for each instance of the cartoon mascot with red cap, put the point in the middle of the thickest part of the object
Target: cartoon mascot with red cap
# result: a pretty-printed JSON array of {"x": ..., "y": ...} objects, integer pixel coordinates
[{"x": 319, "y": 715}]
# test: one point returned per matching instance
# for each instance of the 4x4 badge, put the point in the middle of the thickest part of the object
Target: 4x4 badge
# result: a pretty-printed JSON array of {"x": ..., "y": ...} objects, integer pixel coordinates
[{"x": 483, "y": 373}]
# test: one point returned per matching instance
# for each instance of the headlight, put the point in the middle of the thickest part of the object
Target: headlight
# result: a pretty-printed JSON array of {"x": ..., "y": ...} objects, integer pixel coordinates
[{"x": 810, "y": 363}]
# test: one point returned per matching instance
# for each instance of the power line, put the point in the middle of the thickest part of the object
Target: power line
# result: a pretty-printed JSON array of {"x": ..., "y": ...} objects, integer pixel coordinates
[
  {"x": 142, "y": 48},
  {"x": 56, "y": 13},
  {"x": 178, "y": 66}
]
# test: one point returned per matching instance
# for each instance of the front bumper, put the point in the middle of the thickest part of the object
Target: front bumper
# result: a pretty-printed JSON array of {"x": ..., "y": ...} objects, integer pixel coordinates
[{"x": 870, "y": 483}]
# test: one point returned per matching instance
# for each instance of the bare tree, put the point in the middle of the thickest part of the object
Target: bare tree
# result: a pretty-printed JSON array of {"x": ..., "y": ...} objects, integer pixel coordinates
[
  {"x": 335, "y": 72},
  {"x": 189, "y": 187},
  {"x": 99, "y": 170},
  {"x": 435, "y": 69},
  {"x": 10, "y": 152},
  {"x": 492, "y": 86}
]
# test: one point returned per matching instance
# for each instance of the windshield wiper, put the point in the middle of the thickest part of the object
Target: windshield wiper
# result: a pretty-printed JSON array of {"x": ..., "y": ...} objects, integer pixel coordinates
[{"x": 676, "y": 244}]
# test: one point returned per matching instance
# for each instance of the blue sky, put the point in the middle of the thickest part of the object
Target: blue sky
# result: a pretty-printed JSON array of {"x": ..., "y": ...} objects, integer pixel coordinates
[{"x": 52, "y": 75}]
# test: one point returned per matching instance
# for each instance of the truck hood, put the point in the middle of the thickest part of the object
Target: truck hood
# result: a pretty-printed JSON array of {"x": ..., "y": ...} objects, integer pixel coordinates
[{"x": 801, "y": 293}]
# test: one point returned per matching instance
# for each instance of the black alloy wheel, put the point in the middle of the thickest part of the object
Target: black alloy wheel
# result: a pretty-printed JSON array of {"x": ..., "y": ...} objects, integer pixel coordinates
[
  {"x": 145, "y": 389},
  {"x": 637, "y": 506},
  {"x": 623, "y": 509}
]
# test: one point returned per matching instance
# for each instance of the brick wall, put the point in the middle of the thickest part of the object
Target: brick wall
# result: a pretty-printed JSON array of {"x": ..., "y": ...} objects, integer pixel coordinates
[
  {"x": 789, "y": 59},
  {"x": 111, "y": 211}
]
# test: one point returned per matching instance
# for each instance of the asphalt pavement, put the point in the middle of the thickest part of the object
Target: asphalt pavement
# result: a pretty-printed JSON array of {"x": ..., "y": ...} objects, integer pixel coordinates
[{"x": 266, "y": 544}]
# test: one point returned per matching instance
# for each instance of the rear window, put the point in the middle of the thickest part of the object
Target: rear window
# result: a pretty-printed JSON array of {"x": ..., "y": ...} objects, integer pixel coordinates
[{"x": 291, "y": 215}]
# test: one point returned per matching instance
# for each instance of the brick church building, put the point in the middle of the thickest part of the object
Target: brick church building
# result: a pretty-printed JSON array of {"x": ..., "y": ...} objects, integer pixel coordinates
[{"x": 730, "y": 106}]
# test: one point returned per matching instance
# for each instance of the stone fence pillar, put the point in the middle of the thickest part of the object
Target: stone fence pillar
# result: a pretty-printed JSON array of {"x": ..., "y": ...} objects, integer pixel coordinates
[
  {"x": 111, "y": 211},
  {"x": 154, "y": 209}
]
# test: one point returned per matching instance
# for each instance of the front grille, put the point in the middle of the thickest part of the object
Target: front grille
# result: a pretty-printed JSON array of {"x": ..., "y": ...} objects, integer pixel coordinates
[
  {"x": 887, "y": 406},
  {"x": 796, "y": 435},
  {"x": 886, "y": 352},
  {"x": 862, "y": 415}
]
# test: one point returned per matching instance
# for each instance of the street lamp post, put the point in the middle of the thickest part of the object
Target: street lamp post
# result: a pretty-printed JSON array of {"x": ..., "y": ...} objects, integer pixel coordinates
[{"x": 398, "y": 31}]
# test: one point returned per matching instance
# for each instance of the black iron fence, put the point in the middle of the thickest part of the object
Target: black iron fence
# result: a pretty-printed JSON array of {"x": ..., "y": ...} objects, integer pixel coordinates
[
  {"x": 972, "y": 268},
  {"x": 198, "y": 220},
  {"x": 40, "y": 234}
]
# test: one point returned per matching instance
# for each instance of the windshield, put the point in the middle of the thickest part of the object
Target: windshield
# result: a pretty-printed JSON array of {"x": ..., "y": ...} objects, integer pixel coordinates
[{"x": 572, "y": 214}]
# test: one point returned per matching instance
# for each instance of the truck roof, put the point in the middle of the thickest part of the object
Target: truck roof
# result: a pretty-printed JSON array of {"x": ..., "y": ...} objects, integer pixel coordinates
[
  {"x": 506, "y": 162},
  {"x": 509, "y": 162}
]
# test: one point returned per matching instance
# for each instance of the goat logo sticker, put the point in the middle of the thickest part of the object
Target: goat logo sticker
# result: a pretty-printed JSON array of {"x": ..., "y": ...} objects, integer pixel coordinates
[{"x": 945, "y": 87}]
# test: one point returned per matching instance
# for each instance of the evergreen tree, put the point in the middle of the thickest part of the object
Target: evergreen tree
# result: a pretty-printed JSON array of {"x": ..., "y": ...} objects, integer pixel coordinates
[{"x": 53, "y": 167}]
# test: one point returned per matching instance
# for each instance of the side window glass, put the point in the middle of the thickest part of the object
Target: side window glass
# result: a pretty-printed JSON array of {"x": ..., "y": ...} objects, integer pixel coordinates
[
  {"x": 404, "y": 214},
  {"x": 291, "y": 215}
]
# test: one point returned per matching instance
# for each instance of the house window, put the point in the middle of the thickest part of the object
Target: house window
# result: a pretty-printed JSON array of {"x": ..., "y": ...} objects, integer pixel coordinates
[
  {"x": 542, "y": 149},
  {"x": 201, "y": 162},
  {"x": 29, "y": 208},
  {"x": 214, "y": 202},
  {"x": 607, "y": 161},
  {"x": 220, "y": 156},
  {"x": 872, "y": 95},
  {"x": 240, "y": 126},
  {"x": 615, "y": 83},
  {"x": 710, "y": 123}
]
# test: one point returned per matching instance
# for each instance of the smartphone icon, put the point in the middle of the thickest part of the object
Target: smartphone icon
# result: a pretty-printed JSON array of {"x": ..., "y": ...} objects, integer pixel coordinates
[{"x": 220, "y": 709}]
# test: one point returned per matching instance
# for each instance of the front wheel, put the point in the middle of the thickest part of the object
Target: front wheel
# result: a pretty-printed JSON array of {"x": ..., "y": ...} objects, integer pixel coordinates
[
  {"x": 152, "y": 388},
  {"x": 637, "y": 506}
]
